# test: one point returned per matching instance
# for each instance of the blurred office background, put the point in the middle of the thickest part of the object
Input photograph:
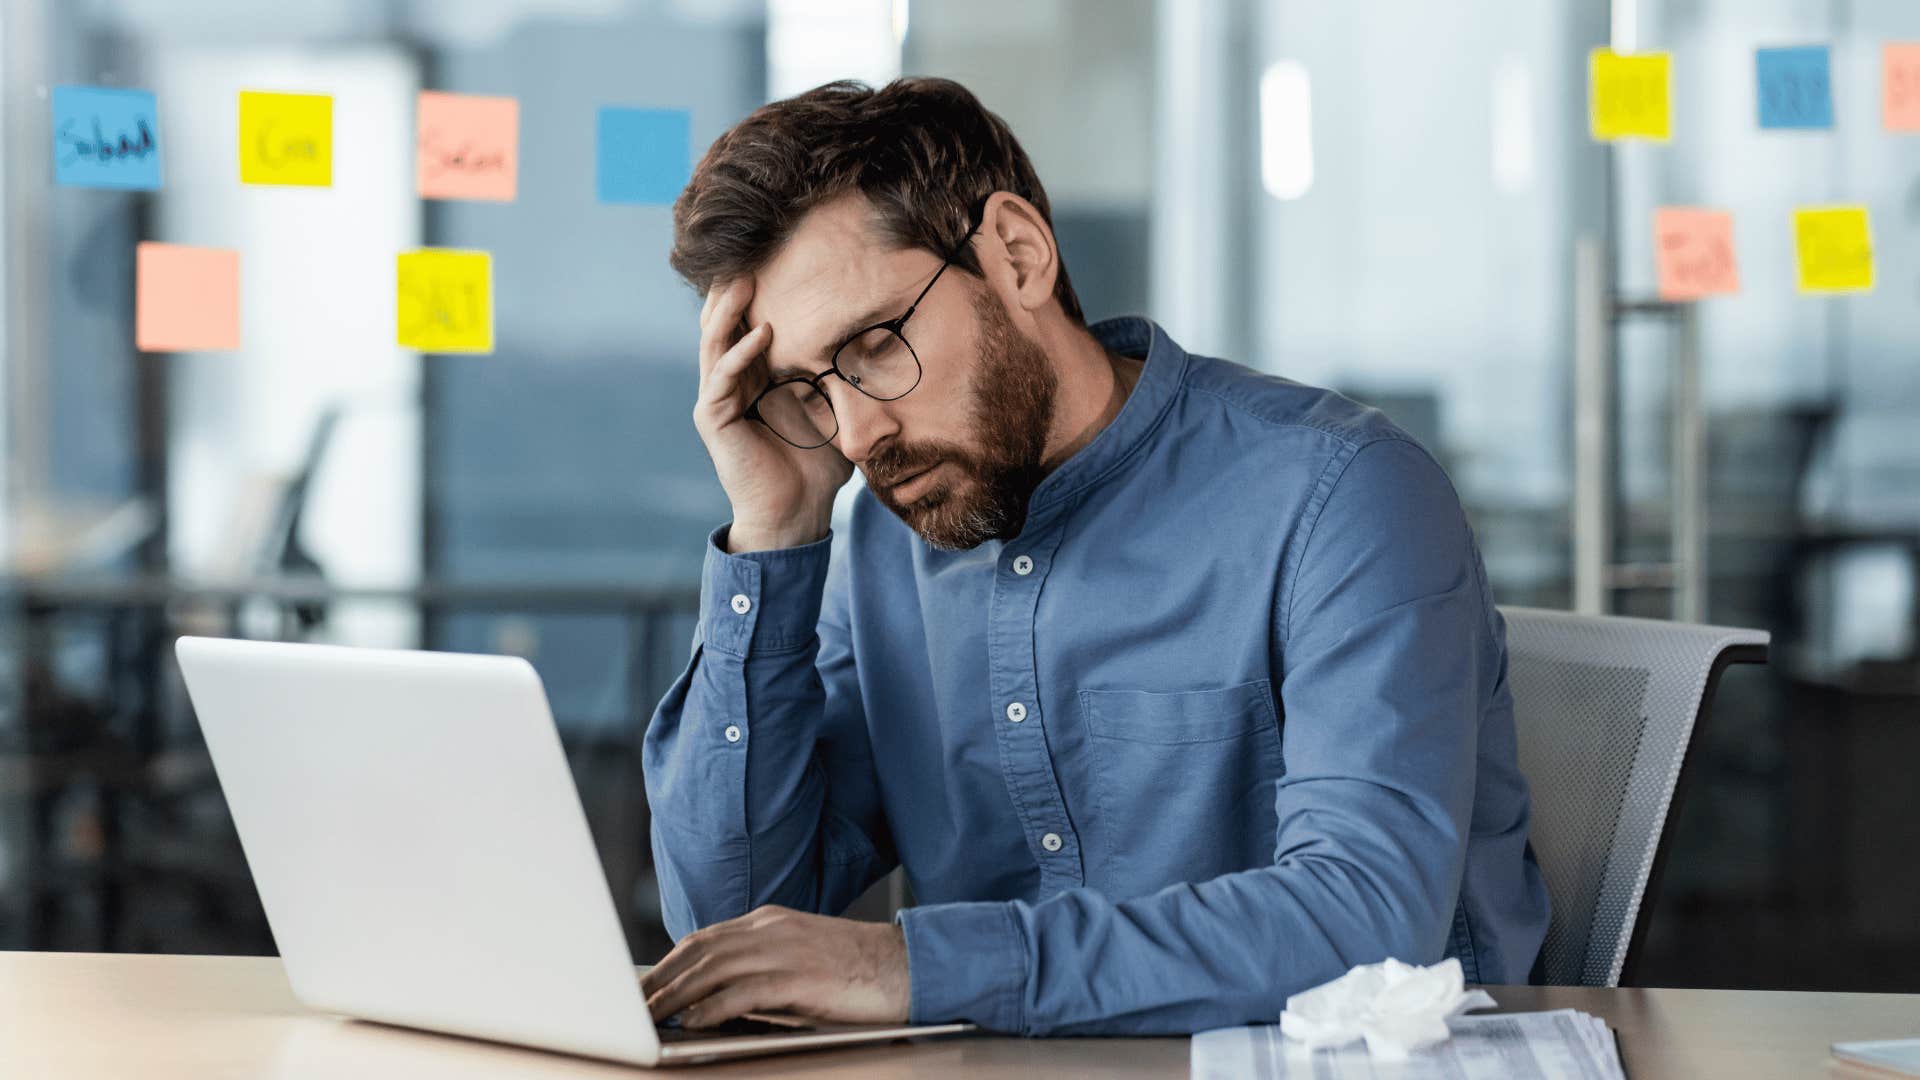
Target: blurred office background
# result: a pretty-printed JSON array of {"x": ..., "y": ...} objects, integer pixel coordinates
[{"x": 1395, "y": 198}]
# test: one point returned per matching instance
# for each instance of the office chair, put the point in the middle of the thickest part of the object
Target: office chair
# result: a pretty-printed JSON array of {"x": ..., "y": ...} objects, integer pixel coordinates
[{"x": 1607, "y": 709}]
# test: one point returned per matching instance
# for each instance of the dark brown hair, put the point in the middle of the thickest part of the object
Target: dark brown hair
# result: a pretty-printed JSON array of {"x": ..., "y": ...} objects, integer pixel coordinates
[{"x": 923, "y": 151}]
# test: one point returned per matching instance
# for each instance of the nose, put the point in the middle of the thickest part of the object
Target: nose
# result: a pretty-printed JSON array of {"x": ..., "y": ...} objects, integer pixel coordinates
[{"x": 864, "y": 422}]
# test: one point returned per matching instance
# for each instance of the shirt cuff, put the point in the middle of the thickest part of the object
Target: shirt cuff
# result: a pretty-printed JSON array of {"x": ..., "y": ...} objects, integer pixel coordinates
[
  {"x": 966, "y": 961},
  {"x": 761, "y": 601}
]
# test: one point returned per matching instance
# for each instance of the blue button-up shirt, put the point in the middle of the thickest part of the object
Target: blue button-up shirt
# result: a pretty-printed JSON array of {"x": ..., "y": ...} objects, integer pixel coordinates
[{"x": 1229, "y": 716}]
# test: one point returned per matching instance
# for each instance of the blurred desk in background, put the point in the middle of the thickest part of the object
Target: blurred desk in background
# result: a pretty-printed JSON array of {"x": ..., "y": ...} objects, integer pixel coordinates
[{"x": 108, "y": 799}]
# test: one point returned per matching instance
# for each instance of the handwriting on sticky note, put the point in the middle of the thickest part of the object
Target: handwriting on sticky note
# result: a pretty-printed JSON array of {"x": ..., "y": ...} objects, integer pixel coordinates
[
  {"x": 1630, "y": 95},
  {"x": 446, "y": 301},
  {"x": 1693, "y": 250},
  {"x": 1833, "y": 247},
  {"x": 1900, "y": 96},
  {"x": 186, "y": 298},
  {"x": 1795, "y": 87},
  {"x": 286, "y": 139},
  {"x": 467, "y": 146},
  {"x": 106, "y": 138}
]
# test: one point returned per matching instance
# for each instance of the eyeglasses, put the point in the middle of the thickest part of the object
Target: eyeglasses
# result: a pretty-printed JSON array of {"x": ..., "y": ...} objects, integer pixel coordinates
[{"x": 877, "y": 361}]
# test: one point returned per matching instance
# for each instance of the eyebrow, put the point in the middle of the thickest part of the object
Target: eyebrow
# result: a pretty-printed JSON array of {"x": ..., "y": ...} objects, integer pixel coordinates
[{"x": 876, "y": 314}]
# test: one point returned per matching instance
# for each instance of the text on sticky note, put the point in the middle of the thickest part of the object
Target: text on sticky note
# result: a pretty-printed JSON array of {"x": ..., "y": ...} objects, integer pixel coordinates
[
  {"x": 186, "y": 298},
  {"x": 1630, "y": 95},
  {"x": 644, "y": 155},
  {"x": 1693, "y": 250},
  {"x": 467, "y": 146},
  {"x": 1900, "y": 96},
  {"x": 1833, "y": 249},
  {"x": 446, "y": 301},
  {"x": 106, "y": 138},
  {"x": 1795, "y": 87},
  {"x": 286, "y": 139}
]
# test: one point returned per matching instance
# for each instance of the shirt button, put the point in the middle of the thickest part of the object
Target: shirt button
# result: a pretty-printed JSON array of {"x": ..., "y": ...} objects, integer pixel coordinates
[
  {"x": 1023, "y": 566},
  {"x": 733, "y": 732},
  {"x": 741, "y": 605},
  {"x": 1051, "y": 841},
  {"x": 1016, "y": 712}
]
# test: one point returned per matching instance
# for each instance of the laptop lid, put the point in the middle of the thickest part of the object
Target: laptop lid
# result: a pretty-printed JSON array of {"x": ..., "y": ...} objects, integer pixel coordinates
[{"x": 413, "y": 829}]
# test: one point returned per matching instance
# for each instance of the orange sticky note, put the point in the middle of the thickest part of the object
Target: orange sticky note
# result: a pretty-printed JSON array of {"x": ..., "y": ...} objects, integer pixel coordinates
[
  {"x": 446, "y": 301},
  {"x": 1833, "y": 246},
  {"x": 1900, "y": 101},
  {"x": 1693, "y": 250},
  {"x": 286, "y": 139},
  {"x": 467, "y": 146},
  {"x": 186, "y": 298}
]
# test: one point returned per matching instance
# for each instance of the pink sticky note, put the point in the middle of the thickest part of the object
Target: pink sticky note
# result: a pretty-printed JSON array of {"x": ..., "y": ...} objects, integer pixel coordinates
[
  {"x": 1694, "y": 252},
  {"x": 468, "y": 147},
  {"x": 1900, "y": 105},
  {"x": 186, "y": 298}
]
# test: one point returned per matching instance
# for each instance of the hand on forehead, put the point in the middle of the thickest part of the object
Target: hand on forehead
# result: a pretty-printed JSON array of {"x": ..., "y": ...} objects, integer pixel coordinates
[{"x": 832, "y": 278}]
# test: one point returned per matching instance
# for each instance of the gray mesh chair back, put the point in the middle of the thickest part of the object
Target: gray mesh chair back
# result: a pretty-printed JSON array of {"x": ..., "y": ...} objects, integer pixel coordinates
[{"x": 1606, "y": 709}]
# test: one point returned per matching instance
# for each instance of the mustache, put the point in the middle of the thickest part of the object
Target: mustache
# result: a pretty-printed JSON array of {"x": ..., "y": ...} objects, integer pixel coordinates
[{"x": 892, "y": 464}]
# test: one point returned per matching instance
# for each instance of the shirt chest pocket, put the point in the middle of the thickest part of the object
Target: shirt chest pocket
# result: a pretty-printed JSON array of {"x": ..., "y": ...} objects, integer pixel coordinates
[
  {"x": 1183, "y": 783},
  {"x": 1191, "y": 716}
]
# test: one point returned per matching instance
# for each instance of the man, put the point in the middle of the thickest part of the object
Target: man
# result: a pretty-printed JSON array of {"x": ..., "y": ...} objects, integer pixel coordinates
[{"x": 1176, "y": 688}]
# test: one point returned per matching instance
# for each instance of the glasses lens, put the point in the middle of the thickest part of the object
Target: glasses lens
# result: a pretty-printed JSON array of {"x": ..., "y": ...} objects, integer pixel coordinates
[
  {"x": 799, "y": 413},
  {"x": 879, "y": 364}
]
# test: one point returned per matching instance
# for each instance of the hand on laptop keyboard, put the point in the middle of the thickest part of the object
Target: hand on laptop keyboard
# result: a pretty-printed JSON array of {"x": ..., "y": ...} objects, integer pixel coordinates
[{"x": 671, "y": 1030}]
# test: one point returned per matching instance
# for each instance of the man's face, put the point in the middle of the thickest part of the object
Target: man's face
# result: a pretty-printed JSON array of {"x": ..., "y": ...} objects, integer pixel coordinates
[{"x": 956, "y": 459}]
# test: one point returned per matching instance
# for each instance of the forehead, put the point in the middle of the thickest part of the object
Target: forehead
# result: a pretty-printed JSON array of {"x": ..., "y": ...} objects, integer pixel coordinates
[{"x": 833, "y": 268}]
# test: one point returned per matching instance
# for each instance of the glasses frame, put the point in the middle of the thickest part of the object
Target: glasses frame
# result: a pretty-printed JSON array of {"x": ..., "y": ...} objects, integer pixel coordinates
[{"x": 896, "y": 326}]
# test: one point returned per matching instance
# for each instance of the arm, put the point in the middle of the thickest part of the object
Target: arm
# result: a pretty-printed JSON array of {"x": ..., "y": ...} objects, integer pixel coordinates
[
  {"x": 789, "y": 812},
  {"x": 1387, "y": 656}
]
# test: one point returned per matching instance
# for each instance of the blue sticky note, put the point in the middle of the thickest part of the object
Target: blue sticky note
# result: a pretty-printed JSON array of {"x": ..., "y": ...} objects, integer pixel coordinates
[
  {"x": 106, "y": 138},
  {"x": 1796, "y": 87},
  {"x": 645, "y": 155}
]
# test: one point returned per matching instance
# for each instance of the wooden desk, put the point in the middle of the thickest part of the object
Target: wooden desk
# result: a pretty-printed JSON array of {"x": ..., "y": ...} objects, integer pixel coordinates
[{"x": 79, "y": 1016}]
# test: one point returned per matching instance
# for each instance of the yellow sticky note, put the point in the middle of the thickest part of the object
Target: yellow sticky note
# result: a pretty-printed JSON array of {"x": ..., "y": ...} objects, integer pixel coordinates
[
  {"x": 1833, "y": 248},
  {"x": 286, "y": 139},
  {"x": 446, "y": 301},
  {"x": 1630, "y": 95}
]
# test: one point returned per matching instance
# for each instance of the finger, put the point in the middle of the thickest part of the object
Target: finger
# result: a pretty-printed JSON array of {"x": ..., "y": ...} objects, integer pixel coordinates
[
  {"x": 723, "y": 382},
  {"x": 752, "y": 993},
  {"x": 717, "y": 967},
  {"x": 718, "y": 334},
  {"x": 685, "y": 952},
  {"x": 706, "y": 304}
]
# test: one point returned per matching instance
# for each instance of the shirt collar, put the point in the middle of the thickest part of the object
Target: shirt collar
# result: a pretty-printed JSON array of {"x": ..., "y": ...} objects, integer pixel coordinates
[{"x": 1160, "y": 378}]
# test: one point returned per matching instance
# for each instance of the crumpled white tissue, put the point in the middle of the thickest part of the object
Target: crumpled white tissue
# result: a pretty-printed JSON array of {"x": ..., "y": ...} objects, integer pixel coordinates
[{"x": 1398, "y": 1008}]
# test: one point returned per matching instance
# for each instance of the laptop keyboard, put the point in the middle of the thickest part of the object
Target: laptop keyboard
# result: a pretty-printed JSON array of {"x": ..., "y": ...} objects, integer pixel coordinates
[{"x": 670, "y": 1030}]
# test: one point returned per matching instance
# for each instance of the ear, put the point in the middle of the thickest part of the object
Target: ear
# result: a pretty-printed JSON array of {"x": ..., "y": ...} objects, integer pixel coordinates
[{"x": 1019, "y": 256}]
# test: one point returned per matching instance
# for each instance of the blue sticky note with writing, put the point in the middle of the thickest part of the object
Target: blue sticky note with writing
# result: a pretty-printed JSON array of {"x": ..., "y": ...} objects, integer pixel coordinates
[
  {"x": 645, "y": 155},
  {"x": 1796, "y": 87},
  {"x": 106, "y": 138}
]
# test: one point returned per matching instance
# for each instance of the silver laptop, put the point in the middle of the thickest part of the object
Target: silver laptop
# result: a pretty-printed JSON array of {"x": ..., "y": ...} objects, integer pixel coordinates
[{"x": 422, "y": 856}]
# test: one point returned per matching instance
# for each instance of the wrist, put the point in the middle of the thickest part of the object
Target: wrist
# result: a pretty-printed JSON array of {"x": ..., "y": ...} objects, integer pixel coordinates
[{"x": 746, "y": 536}]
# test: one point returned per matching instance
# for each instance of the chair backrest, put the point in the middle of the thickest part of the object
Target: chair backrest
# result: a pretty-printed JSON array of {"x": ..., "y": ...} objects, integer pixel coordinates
[{"x": 1606, "y": 709}]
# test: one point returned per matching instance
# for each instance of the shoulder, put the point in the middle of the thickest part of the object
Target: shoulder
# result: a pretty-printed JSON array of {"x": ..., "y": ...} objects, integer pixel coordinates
[{"x": 1281, "y": 403}]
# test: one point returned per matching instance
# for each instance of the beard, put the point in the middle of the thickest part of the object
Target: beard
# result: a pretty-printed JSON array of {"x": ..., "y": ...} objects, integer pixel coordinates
[{"x": 1010, "y": 410}]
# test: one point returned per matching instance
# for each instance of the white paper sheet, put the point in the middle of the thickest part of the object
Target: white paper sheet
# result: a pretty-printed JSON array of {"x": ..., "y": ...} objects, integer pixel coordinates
[{"x": 1513, "y": 1046}]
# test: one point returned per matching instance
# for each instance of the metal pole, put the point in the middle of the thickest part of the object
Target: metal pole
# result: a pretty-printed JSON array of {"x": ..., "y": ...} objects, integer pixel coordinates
[
  {"x": 1592, "y": 433},
  {"x": 1689, "y": 471}
]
